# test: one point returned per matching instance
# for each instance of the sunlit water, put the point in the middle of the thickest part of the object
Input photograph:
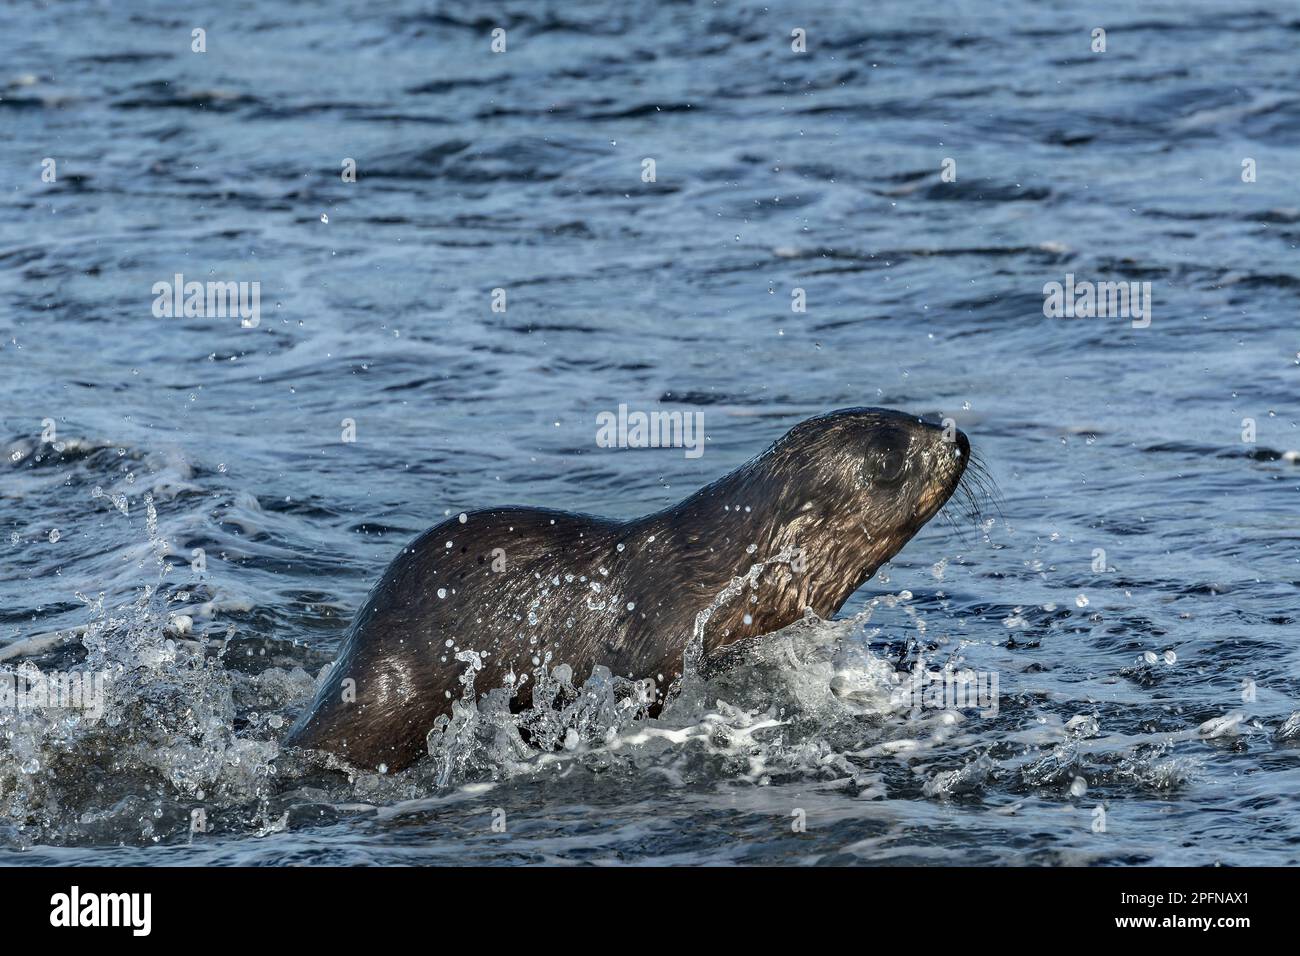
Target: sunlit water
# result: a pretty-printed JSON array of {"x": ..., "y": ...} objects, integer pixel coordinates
[{"x": 1157, "y": 689}]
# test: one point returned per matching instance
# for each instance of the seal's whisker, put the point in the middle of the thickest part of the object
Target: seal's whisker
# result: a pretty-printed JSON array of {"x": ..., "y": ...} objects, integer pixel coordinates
[
  {"x": 960, "y": 530},
  {"x": 988, "y": 487},
  {"x": 976, "y": 494},
  {"x": 977, "y": 488}
]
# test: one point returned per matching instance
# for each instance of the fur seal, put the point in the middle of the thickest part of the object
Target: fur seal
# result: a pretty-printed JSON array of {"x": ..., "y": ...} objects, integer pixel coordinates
[{"x": 833, "y": 499}]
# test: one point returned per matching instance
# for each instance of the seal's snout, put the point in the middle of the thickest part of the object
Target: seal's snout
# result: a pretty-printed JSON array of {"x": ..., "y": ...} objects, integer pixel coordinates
[
  {"x": 963, "y": 446},
  {"x": 947, "y": 443},
  {"x": 939, "y": 435},
  {"x": 943, "y": 446},
  {"x": 952, "y": 455}
]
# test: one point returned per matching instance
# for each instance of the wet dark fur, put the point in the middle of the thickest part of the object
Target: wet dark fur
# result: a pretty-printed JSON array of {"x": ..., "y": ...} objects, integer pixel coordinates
[{"x": 849, "y": 488}]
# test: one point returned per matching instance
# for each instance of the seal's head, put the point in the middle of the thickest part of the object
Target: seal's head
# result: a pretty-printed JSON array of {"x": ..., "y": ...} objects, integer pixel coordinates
[
  {"x": 908, "y": 471},
  {"x": 863, "y": 481}
]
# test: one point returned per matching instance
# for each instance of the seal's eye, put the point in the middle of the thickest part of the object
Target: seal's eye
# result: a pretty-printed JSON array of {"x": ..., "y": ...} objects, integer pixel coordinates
[{"x": 887, "y": 460}]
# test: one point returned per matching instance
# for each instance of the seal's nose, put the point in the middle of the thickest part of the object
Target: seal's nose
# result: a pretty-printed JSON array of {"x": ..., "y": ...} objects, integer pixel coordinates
[
  {"x": 946, "y": 434},
  {"x": 963, "y": 445}
]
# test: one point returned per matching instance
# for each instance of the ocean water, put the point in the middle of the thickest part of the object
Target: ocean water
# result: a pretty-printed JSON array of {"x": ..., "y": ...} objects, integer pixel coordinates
[{"x": 1133, "y": 584}]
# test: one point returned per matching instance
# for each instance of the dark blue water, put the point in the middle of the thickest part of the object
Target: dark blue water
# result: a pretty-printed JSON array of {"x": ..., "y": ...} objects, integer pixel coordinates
[{"x": 1155, "y": 691}]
